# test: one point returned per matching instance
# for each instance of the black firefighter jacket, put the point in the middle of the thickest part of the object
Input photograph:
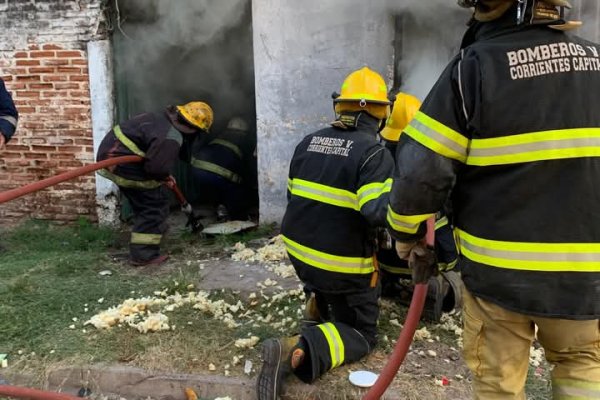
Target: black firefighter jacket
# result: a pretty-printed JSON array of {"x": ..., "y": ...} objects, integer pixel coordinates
[
  {"x": 150, "y": 135},
  {"x": 338, "y": 187},
  {"x": 511, "y": 131}
]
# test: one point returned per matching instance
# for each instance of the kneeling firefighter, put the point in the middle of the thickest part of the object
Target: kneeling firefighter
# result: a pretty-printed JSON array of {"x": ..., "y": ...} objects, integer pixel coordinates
[
  {"x": 158, "y": 138},
  {"x": 222, "y": 165},
  {"x": 338, "y": 185},
  {"x": 444, "y": 289}
]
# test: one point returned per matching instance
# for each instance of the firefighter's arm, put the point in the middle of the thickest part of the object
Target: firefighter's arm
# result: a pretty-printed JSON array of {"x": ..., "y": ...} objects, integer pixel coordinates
[
  {"x": 374, "y": 184},
  {"x": 8, "y": 114},
  {"x": 432, "y": 148},
  {"x": 162, "y": 155}
]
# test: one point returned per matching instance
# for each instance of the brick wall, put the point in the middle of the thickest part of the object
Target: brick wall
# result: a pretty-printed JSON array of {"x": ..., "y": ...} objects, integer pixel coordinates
[{"x": 44, "y": 64}]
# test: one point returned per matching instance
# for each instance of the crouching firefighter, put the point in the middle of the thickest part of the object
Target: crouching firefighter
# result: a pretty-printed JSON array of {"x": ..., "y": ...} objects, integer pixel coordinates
[
  {"x": 444, "y": 292},
  {"x": 220, "y": 165},
  {"x": 158, "y": 138},
  {"x": 339, "y": 180}
]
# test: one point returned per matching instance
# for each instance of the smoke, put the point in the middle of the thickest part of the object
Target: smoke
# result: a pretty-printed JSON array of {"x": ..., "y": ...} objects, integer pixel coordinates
[
  {"x": 431, "y": 34},
  {"x": 172, "y": 52}
]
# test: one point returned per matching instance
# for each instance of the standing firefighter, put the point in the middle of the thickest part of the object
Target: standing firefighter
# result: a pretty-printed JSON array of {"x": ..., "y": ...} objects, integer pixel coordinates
[
  {"x": 221, "y": 166},
  {"x": 158, "y": 138},
  {"x": 443, "y": 290},
  {"x": 8, "y": 115},
  {"x": 511, "y": 131},
  {"x": 338, "y": 186}
]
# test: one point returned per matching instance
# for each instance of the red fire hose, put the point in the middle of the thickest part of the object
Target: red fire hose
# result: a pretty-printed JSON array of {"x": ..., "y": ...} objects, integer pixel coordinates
[
  {"x": 406, "y": 335},
  {"x": 35, "y": 186},
  {"x": 26, "y": 393}
]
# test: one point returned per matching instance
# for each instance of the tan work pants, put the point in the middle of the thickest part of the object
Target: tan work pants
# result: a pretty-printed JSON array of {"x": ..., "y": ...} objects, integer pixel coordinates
[{"x": 496, "y": 349}]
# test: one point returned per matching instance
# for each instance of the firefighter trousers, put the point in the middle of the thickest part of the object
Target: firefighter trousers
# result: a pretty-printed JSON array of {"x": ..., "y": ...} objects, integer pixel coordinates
[
  {"x": 350, "y": 334},
  {"x": 150, "y": 211},
  {"x": 496, "y": 344}
]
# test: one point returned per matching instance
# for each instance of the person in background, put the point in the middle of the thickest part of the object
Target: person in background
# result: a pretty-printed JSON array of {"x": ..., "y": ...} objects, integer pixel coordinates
[
  {"x": 8, "y": 116},
  {"x": 222, "y": 167}
]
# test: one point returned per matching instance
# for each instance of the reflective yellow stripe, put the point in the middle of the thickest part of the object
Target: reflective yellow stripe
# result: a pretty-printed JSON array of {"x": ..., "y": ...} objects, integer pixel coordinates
[
  {"x": 229, "y": 145},
  {"x": 405, "y": 223},
  {"x": 216, "y": 169},
  {"x": 570, "y": 389},
  {"x": 336, "y": 345},
  {"x": 447, "y": 266},
  {"x": 127, "y": 142},
  {"x": 324, "y": 194},
  {"x": 289, "y": 184},
  {"x": 129, "y": 183},
  {"x": 373, "y": 191},
  {"x": 536, "y": 146},
  {"x": 441, "y": 222},
  {"x": 329, "y": 262},
  {"x": 145, "y": 238},
  {"x": 552, "y": 257},
  {"x": 438, "y": 137},
  {"x": 394, "y": 270}
]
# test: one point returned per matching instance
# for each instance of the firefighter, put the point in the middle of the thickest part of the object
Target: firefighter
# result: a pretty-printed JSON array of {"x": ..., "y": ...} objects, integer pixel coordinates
[
  {"x": 510, "y": 131},
  {"x": 338, "y": 186},
  {"x": 8, "y": 115},
  {"x": 158, "y": 138},
  {"x": 221, "y": 165},
  {"x": 444, "y": 292}
]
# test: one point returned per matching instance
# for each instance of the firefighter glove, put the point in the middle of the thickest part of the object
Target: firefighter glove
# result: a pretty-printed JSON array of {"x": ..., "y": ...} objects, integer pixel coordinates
[
  {"x": 403, "y": 249},
  {"x": 422, "y": 262}
]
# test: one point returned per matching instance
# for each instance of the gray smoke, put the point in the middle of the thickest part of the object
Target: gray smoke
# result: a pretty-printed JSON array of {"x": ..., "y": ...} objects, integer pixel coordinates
[
  {"x": 172, "y": 52},
  {"x": 431, "y": 34}
]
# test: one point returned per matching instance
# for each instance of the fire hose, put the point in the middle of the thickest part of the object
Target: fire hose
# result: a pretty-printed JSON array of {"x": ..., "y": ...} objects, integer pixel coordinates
[
  {"x": 406, "y": 335},
  {"x": 53, "y": 180},
  {"x": 12, "y": 194},
  {"x": 26, "y": 393}
]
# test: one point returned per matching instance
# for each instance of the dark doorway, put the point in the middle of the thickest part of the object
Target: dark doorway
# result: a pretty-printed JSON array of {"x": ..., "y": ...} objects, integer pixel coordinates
[{"x": 172, "y": 52}]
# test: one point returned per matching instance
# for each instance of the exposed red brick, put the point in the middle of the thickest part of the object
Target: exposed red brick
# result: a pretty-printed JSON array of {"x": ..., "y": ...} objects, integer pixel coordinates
[
  {"x": 55, "y": 62},
  {"x": 40, "y": 86},
  {"x": 54, "y": 78},
  {"x": 28, "y": 78},
  {"x": 69, "y": 53},
  {"x": 21, "y": 63},
  {"x": 51, "y": 47},
  {"x": 41, "y": 70},
  {"x": 21, "y": 54},
  {"x": 79, "y": 78},
  {"x": 23, "y": 93},
  {"x": 41, "y": 54},
  {"x": 68, "y": 70},
  {"x": 60, "y": 86}
]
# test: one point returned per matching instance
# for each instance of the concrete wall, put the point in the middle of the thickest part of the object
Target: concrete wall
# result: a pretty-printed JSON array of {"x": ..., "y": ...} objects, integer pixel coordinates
[
  {"x": 302, "y": 52},
  {"x": 43, "y": 60}
]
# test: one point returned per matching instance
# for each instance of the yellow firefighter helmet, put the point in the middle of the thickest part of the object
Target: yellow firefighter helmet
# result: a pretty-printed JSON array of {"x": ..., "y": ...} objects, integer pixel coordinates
[
  {"x": 197, "y": 113},
  {"x": 363, "y": 90},
  {"x": 405, "y": 108}
]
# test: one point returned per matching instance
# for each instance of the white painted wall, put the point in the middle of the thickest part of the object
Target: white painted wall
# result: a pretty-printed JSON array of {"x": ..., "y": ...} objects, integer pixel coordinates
[
  {"x": 302, "y": 52},
  {"x": 103, "y": 107}
]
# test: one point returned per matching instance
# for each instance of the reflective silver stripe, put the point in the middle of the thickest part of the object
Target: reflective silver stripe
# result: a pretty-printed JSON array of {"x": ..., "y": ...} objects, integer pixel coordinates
[
  {"x": 329, "y": 262},
  {"x": 229, "y": 145},
  {"x": 438, "y": 137},
  {"x": 574, "y": 393},
  {"x": 373, "y": 191},
  {"x": 530, "y": 255},
  {"x": 128, "y": 183},
  {"x": 11, "y": 120},
  {"x": 334, "y": 346},
  {"x": 318, "y": 192},
  {"x": 145, "y": 238},
  {"x": 175, "y": 135},
  {"x": 536, "y": 146}
]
